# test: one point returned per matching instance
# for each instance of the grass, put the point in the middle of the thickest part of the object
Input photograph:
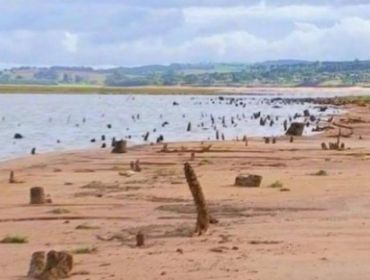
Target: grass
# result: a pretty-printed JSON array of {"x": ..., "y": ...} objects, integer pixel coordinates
[
  {"x": 14, "y": 239},
  {"x": 86, "y": 227},
  {"x": 320, "y": 173},
  {"x": 85, "y": 250},
  {"x": 78, "y": 89},
  {"x": 59, "y": 211},
  {"x": 276, "y": 185},
  {"x": 205, "y": 162}
]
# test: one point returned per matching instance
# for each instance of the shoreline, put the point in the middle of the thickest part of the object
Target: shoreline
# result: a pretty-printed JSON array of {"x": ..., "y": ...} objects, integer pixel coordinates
[
  {"x": 99, "y": 204},
  {"x": 182, "y": 90}
]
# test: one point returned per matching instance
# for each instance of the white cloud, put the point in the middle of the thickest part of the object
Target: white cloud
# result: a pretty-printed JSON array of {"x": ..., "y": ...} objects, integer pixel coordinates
[
  {"x": 70, "y": 42},
  {"x": 125, "y": 33}
]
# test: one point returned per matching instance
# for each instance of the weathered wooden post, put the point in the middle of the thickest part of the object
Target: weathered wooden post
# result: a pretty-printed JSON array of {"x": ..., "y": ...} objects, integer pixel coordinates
[
  {"x": 324, "y": 146},
  {"x": 137, "y": 166},
  {"x": 140, "y": 239},
  {"x": 189, "y": 127},
  {"x": 192, "y": 156},
  {"x": 203, "y": 217},
  {"x": 11, "y": 177}
]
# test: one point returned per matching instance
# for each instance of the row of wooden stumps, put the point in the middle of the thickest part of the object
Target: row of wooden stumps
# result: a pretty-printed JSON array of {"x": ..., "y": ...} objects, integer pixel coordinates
[
  {"x": 58, "y": 265},
  {"x": 338, "y": 145}
]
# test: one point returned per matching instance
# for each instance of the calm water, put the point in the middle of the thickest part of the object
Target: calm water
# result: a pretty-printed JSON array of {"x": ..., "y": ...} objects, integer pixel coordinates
[{"x": 76, "y": 119}]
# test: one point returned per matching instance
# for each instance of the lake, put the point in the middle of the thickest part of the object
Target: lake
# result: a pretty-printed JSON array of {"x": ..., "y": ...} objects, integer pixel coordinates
[{"x": 64, "y": 122}]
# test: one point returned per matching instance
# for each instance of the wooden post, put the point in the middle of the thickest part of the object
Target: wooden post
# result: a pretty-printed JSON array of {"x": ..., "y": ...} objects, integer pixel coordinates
[
  {"x": 199, "y": 200},
  {"x": 140, "y": 239},
  {"x": 192, "y": 156},
  {"x": 137, "y": 167},
  {"x": 11, "y": 177},
  {"x": 338, "y": 137}
]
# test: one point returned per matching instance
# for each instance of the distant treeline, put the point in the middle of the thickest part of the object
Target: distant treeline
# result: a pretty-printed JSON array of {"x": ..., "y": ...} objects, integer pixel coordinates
[{"x": 270, "y": 73}]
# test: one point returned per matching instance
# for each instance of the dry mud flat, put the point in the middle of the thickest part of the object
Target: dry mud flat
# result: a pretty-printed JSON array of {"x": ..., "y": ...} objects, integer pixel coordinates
[{"x": 300, "y": 224}]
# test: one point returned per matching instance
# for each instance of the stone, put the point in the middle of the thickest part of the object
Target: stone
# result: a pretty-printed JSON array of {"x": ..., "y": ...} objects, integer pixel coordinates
[
  {"x": 249, "y": 180},
  {"x": 18, "y": 136}
]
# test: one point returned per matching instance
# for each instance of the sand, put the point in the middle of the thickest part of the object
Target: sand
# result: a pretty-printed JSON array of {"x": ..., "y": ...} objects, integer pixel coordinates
[{"x": 314, "y": 227}]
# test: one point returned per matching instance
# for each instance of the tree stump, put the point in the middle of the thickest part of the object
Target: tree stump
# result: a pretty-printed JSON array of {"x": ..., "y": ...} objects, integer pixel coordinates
[
  {"x": 37, "y": 195},
  {"x": 295, "y": 129},
  {"x": 120, "y": 147},
  {"x": 189, "y": 127},
  {"x": 137, "y": 167},
  {"x": 164, "y": 148},
  {"x": 140, "y": 239},
  {"x": 113, "y": 142},
  {"x": 37, "y": 264},
  {"x": 245, "y": 140},
  {"x": 58, "y": 266},
  {"x": 11, "y": 177},
  {"x": 251, "y": 181},
  {"x": 203, "y": 217},
  {"x": 18, "y": 136},
  {"x": 192, "y": 156}
]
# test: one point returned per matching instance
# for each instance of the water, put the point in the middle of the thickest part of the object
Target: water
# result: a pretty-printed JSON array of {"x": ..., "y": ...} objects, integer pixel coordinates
[{"x": 76, "y": 119}]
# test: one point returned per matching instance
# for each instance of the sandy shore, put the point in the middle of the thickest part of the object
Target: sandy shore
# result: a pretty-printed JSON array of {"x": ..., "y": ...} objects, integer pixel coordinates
[{"x": 312, "y": 227}]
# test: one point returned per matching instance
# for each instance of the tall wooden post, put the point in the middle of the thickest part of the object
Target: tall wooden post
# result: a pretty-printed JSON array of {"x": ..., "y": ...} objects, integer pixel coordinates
[{"x": 199, "y": 200}]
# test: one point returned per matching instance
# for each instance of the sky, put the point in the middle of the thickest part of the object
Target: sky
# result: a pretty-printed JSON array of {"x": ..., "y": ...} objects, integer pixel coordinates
[{"x": 104, "y": 33}]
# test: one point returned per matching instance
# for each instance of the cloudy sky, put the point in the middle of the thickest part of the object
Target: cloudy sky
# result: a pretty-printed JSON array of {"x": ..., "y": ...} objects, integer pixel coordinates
[{"x": 137, "y": 32}]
